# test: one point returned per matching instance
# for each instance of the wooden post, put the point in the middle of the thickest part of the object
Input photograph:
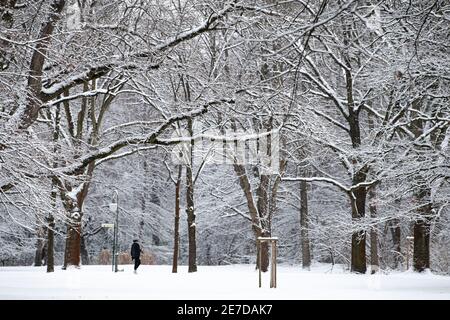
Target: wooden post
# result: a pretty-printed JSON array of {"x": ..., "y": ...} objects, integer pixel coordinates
[
  {"x": 273, "y": 264},
  {"x": 260, "y": 260}
]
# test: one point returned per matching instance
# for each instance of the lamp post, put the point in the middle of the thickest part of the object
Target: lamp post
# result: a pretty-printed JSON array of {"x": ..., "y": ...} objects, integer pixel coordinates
[{"x": 114, "y": 207}]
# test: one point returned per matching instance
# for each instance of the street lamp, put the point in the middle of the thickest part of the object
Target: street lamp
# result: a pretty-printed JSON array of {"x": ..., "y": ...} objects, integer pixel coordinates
[{"x": 114, "y": 208}]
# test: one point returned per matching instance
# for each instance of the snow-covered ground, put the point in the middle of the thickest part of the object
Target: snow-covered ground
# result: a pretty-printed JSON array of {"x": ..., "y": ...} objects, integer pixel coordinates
[{"x": 222, "y": 282}]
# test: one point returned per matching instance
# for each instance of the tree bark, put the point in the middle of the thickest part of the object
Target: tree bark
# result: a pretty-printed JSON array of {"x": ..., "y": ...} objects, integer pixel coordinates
[
  {"x": 306, "y": 253},
  {"x": 72, "y": 253},
  {"x": 396, "y": 241},
  {"x": 40, "y": 246},
  {"x": 357, "y": 195},
  {"x": 275, "y": 187},
  {"x": 84, "y": 252},
  {"x": 192, "y": 260},
  {"x": 72, "y": 250},
  {"x": 252, "y": 208},
  {"x": 265, "y": 221},
  {"x": 260, "y": 213},
  {"x": 53, "y": 195},
  {"x": 358, "y": 201},
  {"x": 374, "y": 261},
  {"x": 176, "y": 233},
  {"x": 421, "y": 245},
  {"x": 74, "y": 243},
  {"x": 50, "y": 244},
  {"x": 246, "y": 188},
  {"x": 34, "y": 84},
  {"x": 144, "y": 196},
  {"x": 421, "y": 257},
  {"x": 373, "y": 233}
]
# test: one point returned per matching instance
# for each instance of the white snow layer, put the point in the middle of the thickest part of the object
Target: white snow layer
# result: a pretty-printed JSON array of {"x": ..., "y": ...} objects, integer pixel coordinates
[{"x": 216, "y": 282}]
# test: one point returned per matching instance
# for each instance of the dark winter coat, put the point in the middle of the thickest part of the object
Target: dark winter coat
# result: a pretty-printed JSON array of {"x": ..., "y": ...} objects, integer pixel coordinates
[{"x": 135, "y": 250}]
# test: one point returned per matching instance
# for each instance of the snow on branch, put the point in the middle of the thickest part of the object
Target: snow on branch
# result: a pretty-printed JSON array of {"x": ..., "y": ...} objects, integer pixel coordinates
[
  {"x": 98, "y": 71},
  {"x": 330, "y": 119},
  {"x": 92, "y": 93},
  {"x": 187, "y": 35},
  {"x": 334, "y": 182},
  {"x": 123, "y": 154},
  {"x": 51, "y": 92},
  {"x": 319, "y": 179},
  {"x": 149, "y": 138}
]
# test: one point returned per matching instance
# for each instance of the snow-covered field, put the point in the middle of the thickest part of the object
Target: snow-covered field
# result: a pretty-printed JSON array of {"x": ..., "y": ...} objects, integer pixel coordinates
[{"x": 222, "y": 282}]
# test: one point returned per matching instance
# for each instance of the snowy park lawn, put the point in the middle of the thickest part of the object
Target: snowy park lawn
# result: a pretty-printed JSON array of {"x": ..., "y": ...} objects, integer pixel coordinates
[{"x": 216, "y": 282}]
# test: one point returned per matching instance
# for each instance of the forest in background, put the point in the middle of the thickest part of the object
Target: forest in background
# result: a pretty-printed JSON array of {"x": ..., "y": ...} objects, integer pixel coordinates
[{"x": 92, "y": 92}]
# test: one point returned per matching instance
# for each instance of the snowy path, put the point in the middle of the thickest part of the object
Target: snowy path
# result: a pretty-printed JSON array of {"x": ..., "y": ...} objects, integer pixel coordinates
[{"x": 223, "y": 282}]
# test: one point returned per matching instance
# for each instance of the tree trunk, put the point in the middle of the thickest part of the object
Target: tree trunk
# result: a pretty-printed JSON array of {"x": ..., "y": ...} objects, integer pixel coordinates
[
  {"x": 72, "y": 255},
  {"x": 374, "y": 263},
  {"x": 266, "y": 207},
  {"x": 190, "y": 205},
  {"x": 357, "y": 195},
  {"x": 265, "y": 221},
  {"x": 358, "y": 201},
  {"x": 50, "y": 245},
  {"x": 191, "y": 225},
  {"x": 84, "y": 252},
  {"x": 53, "y": 195},
  {"x": 359, "y": 252},
  {"x": 176, "y": 234},
  {"x": 422, "y": 232},
  {"x": 421, "y": 255},
  {"x": 72, "y": 252},
  {"x": 421, "y": 245},
  {"x": 34, "y": 84},
  {"x": 73, "y": 241},
  {"x": 306, "y": 254},
  {"x": 38, "y": 253},
  {"x": 40, "y": 247},
  {"x": 144, "y": 196},
  {"x": 246, "y": 188},
  {"x": 274, "y": 191},
  {"x": 396, "y": 233}
]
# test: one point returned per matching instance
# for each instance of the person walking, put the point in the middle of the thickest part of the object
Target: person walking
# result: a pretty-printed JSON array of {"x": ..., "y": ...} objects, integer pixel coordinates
[{"x": 135, "y": 254}]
